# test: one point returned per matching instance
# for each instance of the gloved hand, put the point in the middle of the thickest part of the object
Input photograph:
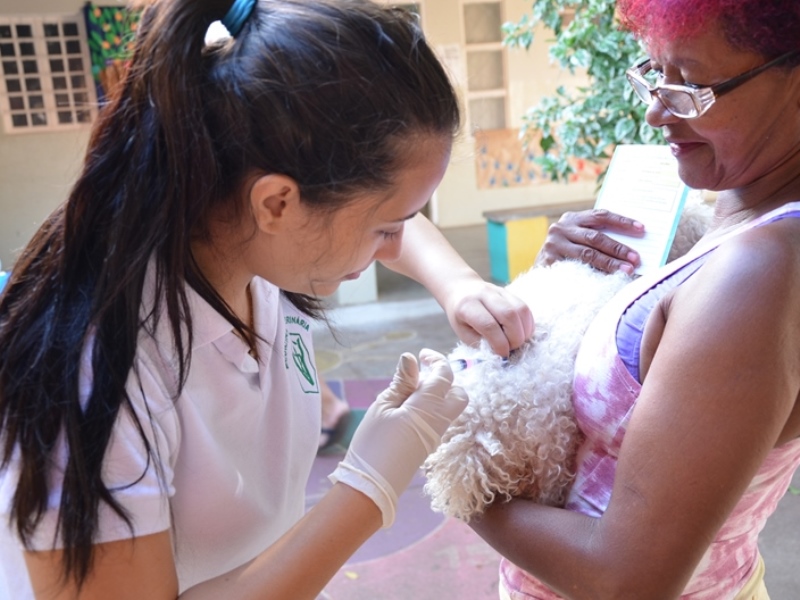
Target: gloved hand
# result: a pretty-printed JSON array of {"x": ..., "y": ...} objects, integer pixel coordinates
[{"x": 400, "y": 429}]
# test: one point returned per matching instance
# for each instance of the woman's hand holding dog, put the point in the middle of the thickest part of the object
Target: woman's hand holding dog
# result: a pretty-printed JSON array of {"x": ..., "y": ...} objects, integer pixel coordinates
[{"x": 579, "y": 236}]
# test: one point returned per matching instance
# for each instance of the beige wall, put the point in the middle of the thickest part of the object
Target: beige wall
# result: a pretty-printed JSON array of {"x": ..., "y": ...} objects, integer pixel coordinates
[{"x": 36, "y": 169}]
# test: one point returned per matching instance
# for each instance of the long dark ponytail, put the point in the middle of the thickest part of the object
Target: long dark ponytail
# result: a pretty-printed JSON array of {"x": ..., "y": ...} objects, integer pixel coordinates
[
  {"x": 83, "y": 272},
  {"x": 325, "y": 92}
]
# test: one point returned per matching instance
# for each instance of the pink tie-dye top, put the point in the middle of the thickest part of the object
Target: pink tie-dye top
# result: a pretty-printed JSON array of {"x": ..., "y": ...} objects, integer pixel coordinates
[{"x": 604, "y": 396}]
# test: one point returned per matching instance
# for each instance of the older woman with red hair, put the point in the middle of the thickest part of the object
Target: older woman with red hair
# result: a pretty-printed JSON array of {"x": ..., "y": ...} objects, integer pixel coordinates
[{"x": 687, "y": 384}]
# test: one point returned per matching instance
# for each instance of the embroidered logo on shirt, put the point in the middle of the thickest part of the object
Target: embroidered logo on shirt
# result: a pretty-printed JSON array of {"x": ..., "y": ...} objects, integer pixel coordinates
[{"x": 304, "y": 362}]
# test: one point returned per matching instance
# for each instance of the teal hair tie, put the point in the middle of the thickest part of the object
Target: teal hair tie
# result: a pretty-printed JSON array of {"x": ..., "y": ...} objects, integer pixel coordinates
[{"x": 237, "y": 15}]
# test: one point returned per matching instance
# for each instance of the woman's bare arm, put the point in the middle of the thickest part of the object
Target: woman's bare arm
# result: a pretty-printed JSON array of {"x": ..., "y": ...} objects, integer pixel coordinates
[{"x": 720, "y": 394}]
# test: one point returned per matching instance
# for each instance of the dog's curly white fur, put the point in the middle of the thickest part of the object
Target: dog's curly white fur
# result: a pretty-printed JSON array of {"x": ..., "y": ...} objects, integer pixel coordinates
[{"x": 518, "y": 437}]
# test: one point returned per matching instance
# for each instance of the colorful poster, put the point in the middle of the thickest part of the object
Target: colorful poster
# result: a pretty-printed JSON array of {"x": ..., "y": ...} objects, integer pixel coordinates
[
  {"x": 110, "y": 31},
  {"x": 502, "y": 161}
]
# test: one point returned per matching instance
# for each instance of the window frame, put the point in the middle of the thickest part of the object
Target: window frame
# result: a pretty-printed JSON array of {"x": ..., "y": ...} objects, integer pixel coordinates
[
  {"x": 484, "y": 94},
  {"x": 81, "y": 100}
]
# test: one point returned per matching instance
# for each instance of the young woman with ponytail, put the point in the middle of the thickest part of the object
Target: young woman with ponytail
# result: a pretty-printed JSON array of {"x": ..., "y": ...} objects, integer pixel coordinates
[{"x": 159, "y": 407}]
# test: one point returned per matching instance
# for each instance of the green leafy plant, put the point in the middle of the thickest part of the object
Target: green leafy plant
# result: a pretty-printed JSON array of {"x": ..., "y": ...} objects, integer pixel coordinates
[{"x": 588, "y": 122}]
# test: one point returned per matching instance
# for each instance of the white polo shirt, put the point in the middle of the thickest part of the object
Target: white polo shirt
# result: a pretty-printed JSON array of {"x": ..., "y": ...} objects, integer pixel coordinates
[{"x": 236, "y": 446}]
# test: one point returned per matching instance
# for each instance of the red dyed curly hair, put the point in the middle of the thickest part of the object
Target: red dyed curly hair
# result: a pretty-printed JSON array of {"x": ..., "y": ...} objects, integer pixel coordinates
[{"x": 768, "y": 27}]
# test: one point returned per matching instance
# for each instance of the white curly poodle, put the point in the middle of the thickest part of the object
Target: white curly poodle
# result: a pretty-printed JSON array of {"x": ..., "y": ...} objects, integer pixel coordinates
[{"x": 518, "y": 437}]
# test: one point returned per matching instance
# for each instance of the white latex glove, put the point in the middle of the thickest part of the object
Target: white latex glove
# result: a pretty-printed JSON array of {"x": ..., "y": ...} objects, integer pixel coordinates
[{"x": 400, "y": 429}]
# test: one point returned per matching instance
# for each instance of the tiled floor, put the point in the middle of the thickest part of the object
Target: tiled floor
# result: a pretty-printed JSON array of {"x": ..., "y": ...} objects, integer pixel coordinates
[{"x": 424, "y": 556}]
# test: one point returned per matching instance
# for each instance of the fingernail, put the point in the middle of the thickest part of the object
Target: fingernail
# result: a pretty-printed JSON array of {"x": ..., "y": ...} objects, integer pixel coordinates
[
  {"x": 632, "y": 257},
  {"x": 405, "y": 362},
  {"x": 626, "y": 268}
]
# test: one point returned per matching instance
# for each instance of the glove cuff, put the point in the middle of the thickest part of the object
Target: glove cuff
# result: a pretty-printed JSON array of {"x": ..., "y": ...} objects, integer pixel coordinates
[{"x": 370, "y": 483}]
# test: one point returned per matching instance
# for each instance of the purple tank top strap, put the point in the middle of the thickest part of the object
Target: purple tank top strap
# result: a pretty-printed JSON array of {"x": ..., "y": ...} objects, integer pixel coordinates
[
  {"x": 630, "y": 328},
  {"x": 631, "y": 325}
]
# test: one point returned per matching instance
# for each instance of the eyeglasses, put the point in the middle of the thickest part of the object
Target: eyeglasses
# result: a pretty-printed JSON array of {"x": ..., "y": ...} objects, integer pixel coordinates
[{"x": 688, "y": 101}]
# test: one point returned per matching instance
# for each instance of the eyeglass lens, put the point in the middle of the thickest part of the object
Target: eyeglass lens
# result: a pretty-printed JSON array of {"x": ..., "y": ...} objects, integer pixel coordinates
[{"x": 677, "y": 102}]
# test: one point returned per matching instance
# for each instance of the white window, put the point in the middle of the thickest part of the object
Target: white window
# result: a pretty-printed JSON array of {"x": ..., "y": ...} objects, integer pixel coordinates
[
  {"x": 46, "y": 74},
  {"x": 486, "y": 64}
]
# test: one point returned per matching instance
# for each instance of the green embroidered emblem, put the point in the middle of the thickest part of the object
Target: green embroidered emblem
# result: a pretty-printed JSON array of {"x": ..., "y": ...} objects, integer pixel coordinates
[{"x": 304, "y": 363}]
